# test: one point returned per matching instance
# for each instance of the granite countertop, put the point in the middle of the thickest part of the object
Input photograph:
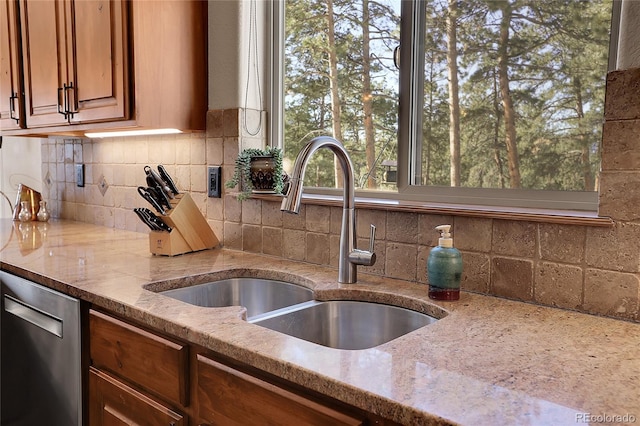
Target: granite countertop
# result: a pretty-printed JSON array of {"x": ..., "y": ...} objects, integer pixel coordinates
[{"x": 487, "y": 361}]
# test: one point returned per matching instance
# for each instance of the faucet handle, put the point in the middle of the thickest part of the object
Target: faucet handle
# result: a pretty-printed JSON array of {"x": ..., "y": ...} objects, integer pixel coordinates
[
  {"x": 364, "y": 257},
  {"x": 372, "y": 239}
]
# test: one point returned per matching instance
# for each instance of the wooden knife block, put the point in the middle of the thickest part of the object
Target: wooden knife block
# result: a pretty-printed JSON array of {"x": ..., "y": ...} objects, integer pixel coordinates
[{"x": 190, "y": 232}]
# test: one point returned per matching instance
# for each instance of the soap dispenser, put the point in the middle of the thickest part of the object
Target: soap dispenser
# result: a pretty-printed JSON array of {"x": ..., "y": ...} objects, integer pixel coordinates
[{"x": 444, "y": 268}]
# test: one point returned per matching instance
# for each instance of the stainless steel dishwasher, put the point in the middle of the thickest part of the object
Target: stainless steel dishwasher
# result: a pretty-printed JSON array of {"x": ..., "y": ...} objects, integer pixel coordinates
[{"x": 40, "y": 355}]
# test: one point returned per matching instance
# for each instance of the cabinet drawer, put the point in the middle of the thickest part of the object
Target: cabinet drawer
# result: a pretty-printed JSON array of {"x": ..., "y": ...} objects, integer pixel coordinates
[
  {"x": 227, "y": 396},
  {"x": 158, "y": 365},
  {"x": 114, "y": 403}
]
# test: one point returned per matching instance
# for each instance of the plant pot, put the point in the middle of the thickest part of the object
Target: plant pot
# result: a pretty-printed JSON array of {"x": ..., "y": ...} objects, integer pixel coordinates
[{"x": 262, "y": 174}]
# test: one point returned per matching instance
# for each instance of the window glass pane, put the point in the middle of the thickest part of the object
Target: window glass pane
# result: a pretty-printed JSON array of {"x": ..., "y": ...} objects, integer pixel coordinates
[
  {"x": 514, "y": 93},
  {"x": 515, "y": 102},
  {"x": 340, "y": 80}
]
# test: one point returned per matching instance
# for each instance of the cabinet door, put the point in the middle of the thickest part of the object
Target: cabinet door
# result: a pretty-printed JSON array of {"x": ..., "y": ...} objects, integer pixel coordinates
[
  {"x": 11, "y": 100},
  {"x": 98, "y": 64},
  {"x": 74, "y": 61},
  {"x": 158, "y": 365},
  {"x": 44, "y": 61},
  {"x": 227, "y": 396},
  {"x": 112, "y": 403}
]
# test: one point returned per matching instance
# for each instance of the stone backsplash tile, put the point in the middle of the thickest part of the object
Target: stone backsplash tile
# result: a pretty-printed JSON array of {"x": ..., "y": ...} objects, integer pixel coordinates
[
  {"x": 295, "y": 220},
  {"x": 615, "y": 249},
  {"x": 402, "y": 227},
  {"x": 232, "y": 209},
  {"x": 230, "y": 122},
  {"x": 611, "y": 293},
  {"x": 473, "y": 234},
  {"x": 273, "y": 238},
  {"x": 512, "y": 278},
  {"x": 621, "y": 151},
  {"x": 251, "y": 212},
  {"x": 619, "y": 195},
  {"x": 232, "y": 235},
  {"x": 558, "y": 285},
  {"x": 271, "y": 214},
  {"x": 514, "y": 238},
  {"x": 294, "y": 244},
  {"x": 317, "y": 248},
  {"x": 421, "y": 266},
  {"x": 252, "y": 238},
  {"x": 215, "y": 123},
  {"x": 562, "y": 243},
  {"x": 476, "y": 272},
  {"x": 401, "y": 261},
  {"x": 318, "y": 219},
  {"x": 623, "y": 92}
]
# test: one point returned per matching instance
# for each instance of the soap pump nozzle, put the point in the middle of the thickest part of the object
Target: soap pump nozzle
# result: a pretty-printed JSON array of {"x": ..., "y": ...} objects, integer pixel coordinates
[{"x": 445, "y": 239}]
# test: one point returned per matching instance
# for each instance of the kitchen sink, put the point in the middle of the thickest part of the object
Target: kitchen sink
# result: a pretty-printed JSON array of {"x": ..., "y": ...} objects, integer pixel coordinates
[
  {"x": 344, "y": 324},
  {"x": 257, "y": 295}
]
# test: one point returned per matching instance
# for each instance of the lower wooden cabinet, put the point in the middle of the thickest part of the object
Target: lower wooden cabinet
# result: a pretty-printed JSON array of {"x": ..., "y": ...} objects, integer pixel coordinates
[
  {"x": 140, "y": 377},
  {"x": 112, "y": 403},
  {"x": 227, "y": 396}
]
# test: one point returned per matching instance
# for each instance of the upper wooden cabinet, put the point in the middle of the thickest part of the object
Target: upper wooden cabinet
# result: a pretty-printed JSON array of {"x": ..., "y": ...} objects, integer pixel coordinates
[
  {"x": 11, "y": 99},
  {"x": 74, "y": 61},
  {"x": 112, "y": 64}
]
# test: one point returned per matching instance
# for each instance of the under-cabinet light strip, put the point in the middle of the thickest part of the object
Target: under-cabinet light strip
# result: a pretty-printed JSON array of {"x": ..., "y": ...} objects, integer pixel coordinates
[{"x": 121, "y": 133}]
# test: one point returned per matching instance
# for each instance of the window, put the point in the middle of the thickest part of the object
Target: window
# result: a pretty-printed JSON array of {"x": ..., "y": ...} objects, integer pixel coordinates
[{"x": 496, "y": 102}]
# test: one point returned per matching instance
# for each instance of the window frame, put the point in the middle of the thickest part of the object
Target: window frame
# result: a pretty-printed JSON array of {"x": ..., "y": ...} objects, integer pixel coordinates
[{"x": 410, "y": 127}]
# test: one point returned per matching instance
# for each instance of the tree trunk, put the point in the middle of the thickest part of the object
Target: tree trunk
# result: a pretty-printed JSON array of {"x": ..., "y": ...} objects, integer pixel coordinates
[
  {"x": 367, "y": 98},
  {"x": 507, "y": 103},
  {"x": 428, "y": 132},
  {"x": 333, "y": 84},
  {"x": 496, "y": 131},
  {"x": 454, "y": 103},
  {"x": 585, "y": 154}
]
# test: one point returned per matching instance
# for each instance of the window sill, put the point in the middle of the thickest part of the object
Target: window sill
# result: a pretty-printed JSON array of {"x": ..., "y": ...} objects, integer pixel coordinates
[{"x": 563, "y": 217}]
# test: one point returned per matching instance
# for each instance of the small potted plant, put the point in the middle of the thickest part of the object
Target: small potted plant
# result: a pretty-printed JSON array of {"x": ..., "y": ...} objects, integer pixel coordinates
[{"x": 258, "y": 171}]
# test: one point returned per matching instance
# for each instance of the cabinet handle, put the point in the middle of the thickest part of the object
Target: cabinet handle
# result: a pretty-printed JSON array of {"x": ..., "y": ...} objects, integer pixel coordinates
[
  {"x": 12, "y": 107},
  {"x": 62, "y": 91},
  {"x": 66, "y": 112},
  {"x": 71, "y": 104}
]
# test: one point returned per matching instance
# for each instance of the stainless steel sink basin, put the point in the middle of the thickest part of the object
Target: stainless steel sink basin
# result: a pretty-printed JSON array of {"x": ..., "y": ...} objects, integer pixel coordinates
[
  {"x": 344, "y": 324},
  {"x": 257, "y": 295}
]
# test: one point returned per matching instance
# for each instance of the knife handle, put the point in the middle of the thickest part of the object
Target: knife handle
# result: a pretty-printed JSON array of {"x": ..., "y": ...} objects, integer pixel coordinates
[
  {"x": 144, "y": 220},
  {"x": 167, "y": 178},
  {"x": 163, "y": 198},
  {"x": 156, "y": 177},
  {"x": 147, "y": 196},
  {"x": 156, "y": 221}
]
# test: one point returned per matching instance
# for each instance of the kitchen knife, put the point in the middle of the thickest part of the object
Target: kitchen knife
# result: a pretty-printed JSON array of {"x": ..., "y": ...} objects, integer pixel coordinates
[
  {"x": 144, "y": 219},
  {"x": 156, "y": 177},
  {"x": 147, "y": 195},
  {"x": 167, "y": 179},
  {"x": 156, "y": 221},
  {"x": 160, "y": 196}
]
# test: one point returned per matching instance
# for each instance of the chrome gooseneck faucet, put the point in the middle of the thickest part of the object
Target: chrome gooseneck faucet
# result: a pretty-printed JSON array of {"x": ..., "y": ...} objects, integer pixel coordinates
[{"x": 350, "y": 256}]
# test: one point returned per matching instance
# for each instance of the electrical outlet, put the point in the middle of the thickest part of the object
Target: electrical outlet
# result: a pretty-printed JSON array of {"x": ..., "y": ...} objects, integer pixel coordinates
[
  {"x": 80, "y": 175},
  {"x": 214, "y": 184}
]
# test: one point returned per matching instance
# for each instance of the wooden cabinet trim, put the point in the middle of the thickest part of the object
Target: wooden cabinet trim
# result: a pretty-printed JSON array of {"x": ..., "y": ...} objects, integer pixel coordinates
[
  {"x": 225, "y": 394},
  {"x": 157, "y": 364},
  {"x": 112, "y": 402}
]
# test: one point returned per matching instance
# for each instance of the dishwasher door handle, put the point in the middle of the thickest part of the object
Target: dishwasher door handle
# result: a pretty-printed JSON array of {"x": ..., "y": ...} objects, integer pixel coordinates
[{"x": 33, "y": 315}]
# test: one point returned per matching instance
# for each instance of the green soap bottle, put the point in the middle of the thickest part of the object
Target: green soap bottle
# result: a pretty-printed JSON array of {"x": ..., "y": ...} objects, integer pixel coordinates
[{"x": 444, "y": 268}]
